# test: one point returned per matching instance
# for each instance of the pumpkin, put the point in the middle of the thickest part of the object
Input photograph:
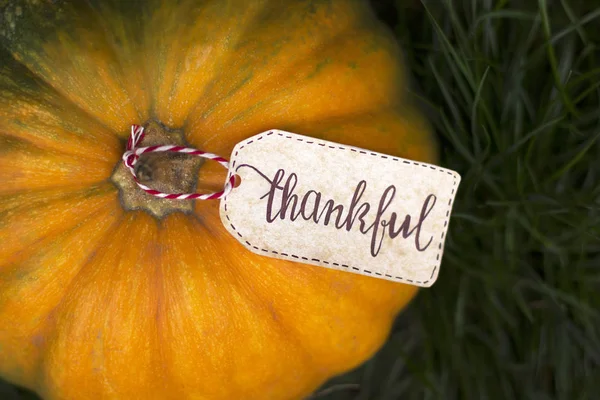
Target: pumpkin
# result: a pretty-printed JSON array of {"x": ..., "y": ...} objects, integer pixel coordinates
[{"x": 108, "y": 292}]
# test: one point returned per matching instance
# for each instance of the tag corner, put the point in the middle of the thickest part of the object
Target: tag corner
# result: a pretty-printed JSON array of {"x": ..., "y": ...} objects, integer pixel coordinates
[{"x": 429, "y": 283}]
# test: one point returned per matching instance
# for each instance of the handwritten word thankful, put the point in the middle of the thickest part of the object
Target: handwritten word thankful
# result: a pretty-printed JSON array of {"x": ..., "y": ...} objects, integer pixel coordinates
[{"x": 283, "y": 203}]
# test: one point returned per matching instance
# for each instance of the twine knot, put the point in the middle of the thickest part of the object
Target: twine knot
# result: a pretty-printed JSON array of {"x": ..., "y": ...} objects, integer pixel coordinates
[{"x": 132, "y": 155}]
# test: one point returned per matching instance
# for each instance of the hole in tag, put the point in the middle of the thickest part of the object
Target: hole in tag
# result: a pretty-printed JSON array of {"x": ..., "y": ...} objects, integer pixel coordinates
[{"x": 238, "y": 181}]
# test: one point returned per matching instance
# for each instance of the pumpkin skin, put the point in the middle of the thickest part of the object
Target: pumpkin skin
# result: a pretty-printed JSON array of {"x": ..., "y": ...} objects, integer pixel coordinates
[{"x": 101, "y": 302}]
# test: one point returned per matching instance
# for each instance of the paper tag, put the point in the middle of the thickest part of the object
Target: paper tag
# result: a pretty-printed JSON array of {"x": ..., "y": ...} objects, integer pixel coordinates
[{"x": 316, "y": 202}]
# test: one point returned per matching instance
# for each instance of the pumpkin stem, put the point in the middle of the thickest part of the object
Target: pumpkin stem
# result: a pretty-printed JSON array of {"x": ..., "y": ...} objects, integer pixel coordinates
[{"x": 167, "y": 172}]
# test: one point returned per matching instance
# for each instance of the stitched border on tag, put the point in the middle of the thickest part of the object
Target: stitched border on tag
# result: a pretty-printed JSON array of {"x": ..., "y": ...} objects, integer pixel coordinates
[{"x": 294, "y": 257}]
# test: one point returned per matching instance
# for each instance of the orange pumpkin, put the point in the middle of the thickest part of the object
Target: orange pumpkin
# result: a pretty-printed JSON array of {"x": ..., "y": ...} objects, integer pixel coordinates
[{"x": 105, "y": 298}]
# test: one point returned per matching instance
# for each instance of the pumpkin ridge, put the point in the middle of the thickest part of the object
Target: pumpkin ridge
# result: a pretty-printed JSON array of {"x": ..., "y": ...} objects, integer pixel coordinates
[
  {"x": 29, "y": 171},
  {"x": 34, "y": 198},
  {"x": 194, "y": 110},
  {"x": 144, "y": 248},
  {"x": 391, "y": 125},
  {"x": 161, "y": 357},
  {"x": 240, "y": 279},
  {"x": 241, "y": 282},
  {"x": 17, "y": 141},
  {"x": 164, "y": 331},
  {"x": 19, "y": 202},
  {"x": 233, "y": 34},
  {"x": 54, "y": 316},
  {"x": 284, "y": 323},
  {"x": 33, "y": 226},
  {"x": 24, "y": 200},
  {"x": 101, "y": 15},
  {"x": 33, "y": 298},
  {"x": 174, "y": 301},
  {"x": 44, "y": 50},
  {"x": 61, "y": 94},
  {"x": 273, "y": 95},
  {"x": 45, "y": 241},
  {"x": 289, "y": 106},
  {"x": 43, "y": 88}
]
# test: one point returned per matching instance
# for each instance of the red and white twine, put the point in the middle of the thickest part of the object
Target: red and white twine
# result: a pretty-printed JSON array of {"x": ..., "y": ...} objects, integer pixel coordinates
[{"x": 133, "y": 153}]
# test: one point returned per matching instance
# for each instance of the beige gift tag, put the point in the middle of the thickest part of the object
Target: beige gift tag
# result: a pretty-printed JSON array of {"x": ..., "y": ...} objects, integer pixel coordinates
[{"x": 316, "y": 202}]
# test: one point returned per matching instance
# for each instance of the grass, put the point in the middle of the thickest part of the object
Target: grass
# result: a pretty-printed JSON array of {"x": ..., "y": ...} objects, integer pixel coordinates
[{"x": 513, "y": 90}]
